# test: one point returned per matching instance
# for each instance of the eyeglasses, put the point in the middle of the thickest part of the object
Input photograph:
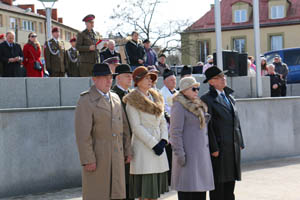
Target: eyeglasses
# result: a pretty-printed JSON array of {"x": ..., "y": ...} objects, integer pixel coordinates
[{"x": 195, "y": 89}]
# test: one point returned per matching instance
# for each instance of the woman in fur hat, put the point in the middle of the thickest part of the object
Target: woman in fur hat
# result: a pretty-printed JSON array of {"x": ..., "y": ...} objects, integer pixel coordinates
[
  {"x": 145, "y": 109},
  {"x": 192, "y": 173}
]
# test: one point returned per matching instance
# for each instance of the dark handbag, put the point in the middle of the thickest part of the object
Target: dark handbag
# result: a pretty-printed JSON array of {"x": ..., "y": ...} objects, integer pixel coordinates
[{"x": 36, "y": 65}]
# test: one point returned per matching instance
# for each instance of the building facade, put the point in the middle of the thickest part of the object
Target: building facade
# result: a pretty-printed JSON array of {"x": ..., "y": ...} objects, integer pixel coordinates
[
  {"x": 279, "y": 22},
  {"x": 22, "y": 20}
]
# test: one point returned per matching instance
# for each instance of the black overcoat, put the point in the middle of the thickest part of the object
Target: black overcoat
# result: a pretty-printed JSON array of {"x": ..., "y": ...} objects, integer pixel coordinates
[{"x": 225, "y": 136}]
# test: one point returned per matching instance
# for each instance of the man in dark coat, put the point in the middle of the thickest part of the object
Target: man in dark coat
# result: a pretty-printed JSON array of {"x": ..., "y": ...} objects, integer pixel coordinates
[
  {"x": 225, "y": 135},
  {"x": 11, "y": 56},
  {"x": 110, "y": 52},
  {"x": 124, "y": 82},
  {"x": 275, "y": 81},
  {"x": 283, "y": 70},
  {"x": 134, "y": 51},
  {"x": 72, "y": 64}
]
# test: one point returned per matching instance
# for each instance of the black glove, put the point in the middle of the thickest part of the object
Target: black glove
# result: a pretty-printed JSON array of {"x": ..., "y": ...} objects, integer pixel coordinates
[
  {"x": 158, "y": 150},
  {"x": 162, "y": 143}
]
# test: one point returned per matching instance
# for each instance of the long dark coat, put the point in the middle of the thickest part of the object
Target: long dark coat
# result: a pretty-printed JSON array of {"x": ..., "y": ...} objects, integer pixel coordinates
[
  {"x": 107, "y": 54},
  {"x": 225, "y": 136},
  {"x": 6, "y": 52}
]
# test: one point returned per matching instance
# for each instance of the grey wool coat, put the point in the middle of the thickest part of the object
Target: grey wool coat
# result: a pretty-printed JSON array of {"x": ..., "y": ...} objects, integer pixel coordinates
[{"x": 191, "y": 166}]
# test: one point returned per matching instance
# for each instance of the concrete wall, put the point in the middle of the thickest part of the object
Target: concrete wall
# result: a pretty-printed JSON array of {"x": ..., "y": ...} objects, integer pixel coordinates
[
  {"x": 38, "y": 152},
  {"x": 41, "y": 92},
  {"x": 270, "y": 127},
  {"x": 49, "y": 92}
]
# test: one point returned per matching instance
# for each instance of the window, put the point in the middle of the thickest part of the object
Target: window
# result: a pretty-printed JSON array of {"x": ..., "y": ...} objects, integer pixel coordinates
[
  {"x": 67, "y": 35},
  {"x": 203, "y": 50},
  {"x": 276, "y": 42},
  {"x": 61, "y": 33},
  {"x": 277, "y": 12},
  {"x": 239, "y": 45},
  {"x": 41, "y": 27},
  {"x": 12, "y": 22},
  {"x": 240, "y": 16},
  {"x": 28, "y": 25},
  {"x": 292, "y": 57}
]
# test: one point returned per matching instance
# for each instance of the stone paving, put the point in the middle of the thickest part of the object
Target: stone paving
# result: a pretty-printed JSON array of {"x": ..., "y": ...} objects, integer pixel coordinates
[{"x": 268, "y": 180}]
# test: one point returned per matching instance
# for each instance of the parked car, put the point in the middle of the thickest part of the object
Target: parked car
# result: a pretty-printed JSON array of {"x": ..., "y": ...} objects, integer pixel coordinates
[{"x": 291, "y": 57}]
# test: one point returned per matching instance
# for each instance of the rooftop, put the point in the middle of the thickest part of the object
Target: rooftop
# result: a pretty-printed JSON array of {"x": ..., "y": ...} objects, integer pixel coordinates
[{"x": 207, "y": 23}]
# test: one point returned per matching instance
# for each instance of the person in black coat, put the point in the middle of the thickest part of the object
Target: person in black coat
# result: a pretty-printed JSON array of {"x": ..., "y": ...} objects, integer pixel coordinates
[
  {"x": 110, "y": 52},
  {"x": 11, "y": 55},
  {"x": 124, "y": 82},
  {"x": 134, "y": 51},
  {"x": 225, "y": 135},
  {"x": 275, "y": 81}
]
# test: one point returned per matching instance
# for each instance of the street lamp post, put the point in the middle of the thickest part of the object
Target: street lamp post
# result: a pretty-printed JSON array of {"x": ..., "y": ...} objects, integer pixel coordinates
[
  {"x": 48, "y": 5},
  {"x": 218, "y": 28},
  {"x": 257, "y": 47}
]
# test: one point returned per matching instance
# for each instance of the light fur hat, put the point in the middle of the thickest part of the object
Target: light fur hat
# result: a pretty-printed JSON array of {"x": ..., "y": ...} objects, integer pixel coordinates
[{"x": 187, "y": 83}]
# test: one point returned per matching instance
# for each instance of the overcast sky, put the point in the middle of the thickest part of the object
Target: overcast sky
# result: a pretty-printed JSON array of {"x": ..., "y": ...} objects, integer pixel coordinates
[{"x": 73, "y": 11}]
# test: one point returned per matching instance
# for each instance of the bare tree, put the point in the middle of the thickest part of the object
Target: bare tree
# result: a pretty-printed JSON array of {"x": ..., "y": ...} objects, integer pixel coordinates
[{"x": 141, "y": 15}]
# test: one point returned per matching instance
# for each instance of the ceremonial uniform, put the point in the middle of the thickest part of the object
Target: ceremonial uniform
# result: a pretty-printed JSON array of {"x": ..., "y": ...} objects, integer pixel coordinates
[
  {"x": 55, "y": 57},
  {"x": 87, "y": 58},
  {"x": 72, "y": 64}
]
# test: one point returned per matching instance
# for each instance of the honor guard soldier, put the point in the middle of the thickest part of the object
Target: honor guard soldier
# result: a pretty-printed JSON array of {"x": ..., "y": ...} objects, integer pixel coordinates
[
  {"x": 55, "y": 55},
  {"x": 72, "y": 64},
  {"x": 86, "y": 45}
]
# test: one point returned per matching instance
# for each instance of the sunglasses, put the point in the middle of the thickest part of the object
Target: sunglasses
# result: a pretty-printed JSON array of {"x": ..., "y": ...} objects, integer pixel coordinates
[
  {"x": 195, "y": 89},
  {"x": 33, "y": 36}
]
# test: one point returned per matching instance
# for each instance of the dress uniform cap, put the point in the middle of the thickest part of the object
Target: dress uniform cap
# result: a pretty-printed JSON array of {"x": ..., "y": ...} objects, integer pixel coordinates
[
  {"x": 73, "y": 40},
  {"x": 88, "y": 18},
  {"x": 112, "y": 60},
  {"x": 55, "y": 29}
]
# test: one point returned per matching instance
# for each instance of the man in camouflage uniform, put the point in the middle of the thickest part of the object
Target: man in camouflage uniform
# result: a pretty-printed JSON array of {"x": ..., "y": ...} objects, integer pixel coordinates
[
  {"x": 72, "y": 64},
  {"x": 55, "y": 55},
  {"x": 86, "y": 45}
]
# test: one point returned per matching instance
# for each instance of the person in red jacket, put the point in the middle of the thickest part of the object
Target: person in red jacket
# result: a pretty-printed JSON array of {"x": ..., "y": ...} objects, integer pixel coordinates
[{"x": 32, "y": 54}]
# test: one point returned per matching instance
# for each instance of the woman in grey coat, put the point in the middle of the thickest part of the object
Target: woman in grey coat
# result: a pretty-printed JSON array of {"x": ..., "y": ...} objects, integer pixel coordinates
[{"x": 192, "y": 173}]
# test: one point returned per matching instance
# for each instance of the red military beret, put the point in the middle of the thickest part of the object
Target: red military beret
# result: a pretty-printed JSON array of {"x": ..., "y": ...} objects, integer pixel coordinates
[
  {"x": 73, "y": 40},
  {"x": 2, "y": 36},
  {"x": 55, "y": 29},
  {"x": 88, "y": 18}
]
